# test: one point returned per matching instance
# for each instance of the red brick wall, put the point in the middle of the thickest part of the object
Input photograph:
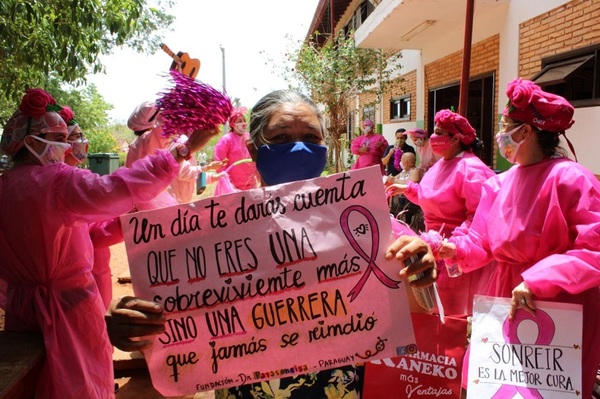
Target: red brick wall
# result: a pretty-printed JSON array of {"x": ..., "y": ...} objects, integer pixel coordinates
[
  {"x": 406, "y": 84},
  {"x": 485, "y": 58},
  {"x": 568, "y": 27}
]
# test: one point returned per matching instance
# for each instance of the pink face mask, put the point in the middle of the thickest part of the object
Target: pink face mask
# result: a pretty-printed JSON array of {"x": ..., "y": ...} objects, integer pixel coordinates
[{"x": 439, "y": 144}]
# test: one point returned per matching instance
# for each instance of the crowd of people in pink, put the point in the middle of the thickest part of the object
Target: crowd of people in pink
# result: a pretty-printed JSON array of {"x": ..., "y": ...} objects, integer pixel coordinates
[{"x": 529, "y": 233}]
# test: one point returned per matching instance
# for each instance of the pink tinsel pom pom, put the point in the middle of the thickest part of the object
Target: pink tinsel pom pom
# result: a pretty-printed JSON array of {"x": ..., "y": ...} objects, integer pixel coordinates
[
  {"x": 434, "y": 239},
  {"x": 192, "y": 105}
]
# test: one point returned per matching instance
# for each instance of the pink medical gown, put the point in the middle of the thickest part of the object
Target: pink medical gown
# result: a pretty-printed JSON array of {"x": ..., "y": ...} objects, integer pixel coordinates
[
  {"x": 448, "y": 194},
  {"x": 541, "y": 223},
  {"x": 147, "y": 144},
  {"x": 47, "y": 258},
  {"x": 183, "y": 186},
  {"x": 376, "y": 144},
  {"x": 103, "y": 236},
  {"x": 233, "y": 148}
]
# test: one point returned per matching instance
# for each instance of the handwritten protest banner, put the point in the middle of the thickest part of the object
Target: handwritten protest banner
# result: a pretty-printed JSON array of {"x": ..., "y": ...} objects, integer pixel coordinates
[
  {"x": 270, "y": 282},
  {"x": 529, "y": 357}
]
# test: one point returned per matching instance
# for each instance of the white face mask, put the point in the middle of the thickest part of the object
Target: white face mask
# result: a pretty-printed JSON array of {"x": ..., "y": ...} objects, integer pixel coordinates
[
  {"x": 239, "y": 128},
  {"x": 418, "y": 142},
  {"x": 79, "y": 149},
  {"x": 54, "y": 151},
  {"x": 507, "y": 146},
  {"x": 368, "y": 129}
]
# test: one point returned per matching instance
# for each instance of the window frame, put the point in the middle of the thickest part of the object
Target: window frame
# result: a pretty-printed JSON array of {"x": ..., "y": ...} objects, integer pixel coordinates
[
  {"x": 396, "y": 103},
  {"x": 368, "y": 112},
  {"x": 566, "y": 86}
]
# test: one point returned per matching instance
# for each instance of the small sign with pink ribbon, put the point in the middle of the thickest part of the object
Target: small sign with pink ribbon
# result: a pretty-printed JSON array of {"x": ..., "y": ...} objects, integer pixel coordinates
[
  {"x": 530, "y": 357},
  {"x": 270, "y": 283}
]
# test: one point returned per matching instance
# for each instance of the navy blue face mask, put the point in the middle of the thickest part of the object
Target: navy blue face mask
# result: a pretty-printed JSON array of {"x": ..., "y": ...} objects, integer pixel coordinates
[{"x": 284, "y": 163}]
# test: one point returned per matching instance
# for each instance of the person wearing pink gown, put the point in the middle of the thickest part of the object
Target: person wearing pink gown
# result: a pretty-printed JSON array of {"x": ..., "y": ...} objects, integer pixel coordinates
[
  {"x": 231, "y": 148},
  {"x": 427, "y": 157},
  {"x": 368, "y": 148},
  {"x": 46, "y": 208},
  {"x": 146, "y": 124},
  {"x": 449, "y": 194},
  {"x": 103, "y": 234},
  {"x": 540, "y": 220}
]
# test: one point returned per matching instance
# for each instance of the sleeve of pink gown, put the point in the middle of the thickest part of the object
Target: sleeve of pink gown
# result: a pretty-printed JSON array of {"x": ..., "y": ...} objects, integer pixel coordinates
[
  {"x": 470, "y": 178},
  {"x": 382, "y": 144},
  {"x": 222, "y": 151},
  {"x": 356, "y": 144},
  {"x": 578, "y": 269},
  {"x": 89, "y": 197},
  {"x": 412, "y": 192},
  {"x": 472, "y": 251},
  {"x": 189, "y": 172},
  {"x": 107, "y": 233}
]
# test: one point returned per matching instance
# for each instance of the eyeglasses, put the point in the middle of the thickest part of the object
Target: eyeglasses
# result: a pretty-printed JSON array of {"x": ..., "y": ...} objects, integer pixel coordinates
[
  {"x": 76, "y": 137},
  {"x": 502, "y": 126}
]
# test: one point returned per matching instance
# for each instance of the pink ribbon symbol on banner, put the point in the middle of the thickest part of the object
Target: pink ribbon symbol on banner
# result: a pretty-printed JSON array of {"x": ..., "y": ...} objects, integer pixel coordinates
[
  {"x": 372, "y": 267},
  {"x": 546, "y": 330}
]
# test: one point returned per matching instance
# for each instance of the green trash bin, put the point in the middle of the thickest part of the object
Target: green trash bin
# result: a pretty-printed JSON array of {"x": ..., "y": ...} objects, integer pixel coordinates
[{"x": 103, "y": 163}]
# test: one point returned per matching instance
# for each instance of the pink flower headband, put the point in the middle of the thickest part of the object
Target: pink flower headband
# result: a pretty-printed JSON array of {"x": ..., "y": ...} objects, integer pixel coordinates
[
  {"x": 528, "y": 103},
  {"x": 455, "y": 124},
  {"x": 37, "y": 114}
]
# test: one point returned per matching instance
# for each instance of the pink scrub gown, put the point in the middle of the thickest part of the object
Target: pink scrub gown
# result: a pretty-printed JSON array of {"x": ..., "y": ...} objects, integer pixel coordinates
[
  {"x": 47, "y": 259},
  {"x": 232, "y": 147},
  {"x": 541, "y": 223},
  {"x": 376, "y": 144},
  {"x": 449, "y": 194}
]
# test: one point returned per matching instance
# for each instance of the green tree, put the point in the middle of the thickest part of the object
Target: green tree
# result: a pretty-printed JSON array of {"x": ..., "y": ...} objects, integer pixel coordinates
[
  {"x": 65, "y": 38},
  {"x": 102, "y": 141},
  {"x": 337, "y": 72}
]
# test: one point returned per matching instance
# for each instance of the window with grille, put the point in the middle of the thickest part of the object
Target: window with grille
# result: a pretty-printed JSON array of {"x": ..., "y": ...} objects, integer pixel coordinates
[{"x": 400, "y": 108}]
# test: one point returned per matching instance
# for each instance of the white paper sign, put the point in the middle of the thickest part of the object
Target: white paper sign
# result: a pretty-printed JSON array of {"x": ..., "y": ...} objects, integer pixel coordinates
[
  {"x": 270, "y": 282},
  {"x": 530, "y": 357}
]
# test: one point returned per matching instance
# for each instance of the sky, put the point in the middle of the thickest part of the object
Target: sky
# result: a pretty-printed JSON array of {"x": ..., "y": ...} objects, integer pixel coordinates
[{"x": 243, "y": 28}]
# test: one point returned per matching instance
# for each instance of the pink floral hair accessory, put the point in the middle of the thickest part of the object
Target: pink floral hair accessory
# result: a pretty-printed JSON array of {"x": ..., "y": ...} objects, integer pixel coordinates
[
  {"x": 35, "y": 102},
  {"x": 455, "y": 124},
  {"x": 37, "y": 114},
  {"x": 192, "y": 105},
  {"x": 236, "y": 113},
  {"x": 528, "y": 103},
  {"x": 69, "y": 117}
]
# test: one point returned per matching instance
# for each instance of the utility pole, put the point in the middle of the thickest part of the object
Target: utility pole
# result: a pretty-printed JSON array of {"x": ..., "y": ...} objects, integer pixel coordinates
[{"x": 223, "y": 53}]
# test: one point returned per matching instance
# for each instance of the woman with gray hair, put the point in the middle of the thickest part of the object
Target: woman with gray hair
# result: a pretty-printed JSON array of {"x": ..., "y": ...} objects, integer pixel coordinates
[{"x": 287, "y": 137}]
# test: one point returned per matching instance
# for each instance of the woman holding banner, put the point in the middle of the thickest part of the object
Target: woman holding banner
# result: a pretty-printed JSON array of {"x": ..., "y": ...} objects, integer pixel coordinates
[
  {"x": 286, "y": 141},
  {"x": 540, "y": 219},
  {"x": 287, "y": 136}
]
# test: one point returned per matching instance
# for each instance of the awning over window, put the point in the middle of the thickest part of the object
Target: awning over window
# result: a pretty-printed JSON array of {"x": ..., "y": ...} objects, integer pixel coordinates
[{"x": 559, "y": 72}]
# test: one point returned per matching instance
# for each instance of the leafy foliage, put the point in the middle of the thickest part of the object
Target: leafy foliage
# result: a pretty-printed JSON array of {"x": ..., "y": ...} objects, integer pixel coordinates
[
  {"x": 64, "y": 38},
  {"x": 102, "y": 141},
  {"x": 336, "y": 73}
]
